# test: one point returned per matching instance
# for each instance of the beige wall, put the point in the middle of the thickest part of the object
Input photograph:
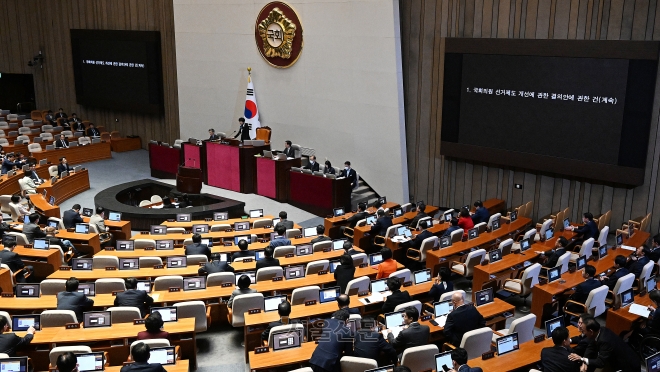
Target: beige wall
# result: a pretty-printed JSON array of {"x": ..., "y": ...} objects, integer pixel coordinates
[{"x": 344, "y": 96}]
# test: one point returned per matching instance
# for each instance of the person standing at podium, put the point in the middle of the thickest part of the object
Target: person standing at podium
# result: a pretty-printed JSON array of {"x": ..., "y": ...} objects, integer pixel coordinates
[
  {"x": 312, "y": 165},
  {"x": 212, "y": 135},
  {"x": 288, "y": 150},
  {"x": 349, "y": 173},
  {"x": 244, "y": 130}
]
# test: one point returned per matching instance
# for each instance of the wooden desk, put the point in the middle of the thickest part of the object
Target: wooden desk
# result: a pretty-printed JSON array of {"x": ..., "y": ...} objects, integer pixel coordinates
[
  {"x": 23, "y": 305},
  {"x": 528, "y": 355},
  {"x": 120, "y": 229},
  {"x": 125, "y": 144},
  {"x": 78, "y": 154},
  {"x": 67, "y": 187},
  {"x": 5, "y": 281},
  {"x": 89, "y": 275},
  {"x": 45, "y": 262},
  {"x": 273, "y": 177},
  {"x": 43, "y": 207},
  {"x": 231, "y": 222},
  {"x": 86, "y": 243},
  {"x": 180, "y": 366},
  {"x": 319, "y": 195},
  {"x": 543, "y": 294},
  {"x": 407, "y": 217},
  {"x": 501, "y": 268},
  {"x": 332, "y": 224},
  {"x": 622, "y": 319},
  {"x": 211, "y": 234},
  {"x": 9, "y": 184},
  {"x": 231, "y": 167},
  {"x": 295, "y": 260}
]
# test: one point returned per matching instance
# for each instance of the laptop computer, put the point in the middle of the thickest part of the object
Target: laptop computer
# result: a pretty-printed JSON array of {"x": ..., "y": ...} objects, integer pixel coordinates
[
  {"x": 169, "y": 313},
  {"x": 125, "y": 245},
  {"x": 144, "y": 285},
  {"x": 88, "y": 362},
  {"x": 337, "y": 212},
  {"x": 328, "y": 294},
  {"x": 87, "y": 212},
  {"x": 375, "y": 258},
  {"x": 549, "y": 233},
  {"x": 473, "y": 233},
  {"x": 567, "y": 223},
  {"x": 422, "y": 276},
  {"x": 371, "y": 220},
  {"x": 193, "y": 283},
  {"x": 443, "y": 362},
  {"x": 129, "y": 264},
  {"x": 88, "y": 289},
  {"x": 242, "y": 226},
  {"x": 19, "y": 364},
  {"x": 309, "y": 232},
  {"x": 507, "y": 344},
  {"x": 82, "y": 228},
  {"x": 93, "y": 319},
  {"x": 200, "y": 228},
  {"x": 447, "y": 217},
  {"x": 158, "y": 229},
  {"x": 442, "y": 308},
  {"x": 627, "y": 297},
  {"x": 652, "y": 363},
  {"x": 379, "y": 285},
  {"x": 247, "y": 238},
  {"x": 394, "y": 320},
  {"x": 259, "y": 254},
  {"x": 175, "y": 262},
  {"x": 81, "y": 264},
  {"x": 250, "y": 274},
  {"x": 338, "y": 244},
  {"x": 164, "y": 244},
  {"x": 398, "y": 212},
  {"x": 333, "y": 265},
  {"x": 163, "y": 355},
  {"x": 553, "y": 323},
  {"x": 294, "y": 272},
  {"x": 220, "y": 216},
  {"x": 304, "y": 250},
  {"x": 554, "y": 274},
  {"x": 27, "y": 290},
  {"x": 483, "y": 297},
  {"x": 495, "y": 255},
  {"x": 40, "y": 244},
  {"x": 287, "y": 339},
  {"x": 114, "y": 216},
  {"x": 183, "y": 217},
  {"x": 602, "y": 251},
  {"x": 21, "y": 323},
  {"x": 271, "y": 303},
  {"x": 256, "y": 213}
]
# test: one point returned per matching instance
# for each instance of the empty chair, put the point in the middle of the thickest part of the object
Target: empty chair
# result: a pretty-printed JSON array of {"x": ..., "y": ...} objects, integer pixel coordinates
[
  {"x": 52, "y": 286},
  {"x": 109, "y": 285},
  {"x": 583, "y": 250},
  {"x": 4, "y": 125},
  {"x": 602, "y": 237},
  {"x": 144, "y": 243},
  {"x": 101, "y": 262},
  {"x": 217, "y": 279},
  {"x": 466, "y": 269},
  {"x": 403, "y": 275},
  {"x": 505, "y": 246},
  {"x": 523, "y": 286},
  {"x": 59, "y": 350},
  {"x": 163, "y": 283},
  {"x": 144, "y": 203},
  {"x": 523, "y": 325},
  {"x": 23, "y": 138},
  {"x": 406, "y": 207},
  {"x": 301, "y": 295},
  {"x": 28, "y": 122},
  {"x": 419, "y": 358},
  {"x": 456, "y": 235},
  {"x": 177, "y": 143},
  {"x": 594, "y": 306},
  {"x": 196, "y": 259},
  {"x": 148, "y": 262},
  {"x": 197, "y": 310},
  {"x": 359, "y": 259},
  {"x": 46, "y": 137},
  {"x": 67, "y": 133},
  {"x": 260, "y": 223},
  {"x": 357, "y": 285},
  {"x": 57, "y": 318},
  {"x": 314, "y": 267},
  {"x": 156, "y": 199},
  {"x": 124, "y": 314},
  {"x": 47, "y": 128},
  {"x": 355, "y": 364},
  {"x": 52, "y": 170},
  {"x": 220, "y": 227},
  {"x": 477, "y": 342},
  {"x": 292, "y": 233},
  {"x": 528, "y": 235},
  {"x": 645, "y": 275},
  {"x": 544, "y": 226},
  {"x": 83, "y": 141},
  {"x": 481, "y": 227},
  {"x": 24, "y": 131},
  {"x": 34, "y": 147},
  {"x": 320, "y": 246},
  {"x": 283, "y": 250},
  {"x": 243, "y": 303},
  {"x": 268, "y": 273},
  {"x": 493, "y": 218}
]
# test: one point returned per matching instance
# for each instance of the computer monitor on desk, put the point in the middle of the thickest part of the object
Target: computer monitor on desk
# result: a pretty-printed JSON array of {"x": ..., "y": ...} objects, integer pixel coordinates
[
  {"x": 162, "y": 355},
  {"x": 328, "y": 294},
  {"x": 256, "y": 213},
  {"x": 375, "y": 259},
  {"x": 89, "y": 289},
  {"x": 379, "y": 285},
  {"x": 169, "y": 314},
  {"x": 443, "y": 362},
  {"x": 158, "y": 229},
  {"x": 652, "y": 363},
  {"x": 164, "y": 244},
  {"x": 40, "y": 244},
  {"x": 242, "y": 226},
  {"x": 94, "y": 319},
  {"x": 309, "y": 232},
  {"x": 220, "y": 216},
  {"x": 602, "y": 251},
  {"x": 525, "y": 244},
  {"x": 394, "y": 320},
  {"x": 271, "y": 303},
  {"x": 27, "y": 290},
  {"x": 554, "y": 274},
  {"x": 183, "y": 217},
  {"x": 82, "y": 228},
  {"x": 194, "y": 283},
  {"x": 422, "y": 276},
  {"x": 553, "y": 323},
  {"x": 338, "y": 244},
  {"x": 397, "y": 212},
  {"x": 337, "y": 212},
  {"x": 507, "y": 344},
  {"x": 442, "y": 308},
  {"x": 21, "y": 323},
  {"x": 87, "y": 212},
  {"x": 294, "y": 272},
  {"x": 19, "y": 364},
  {"x": 129, "y": 264},
  {"x": 114, "y": 216},
  {"x": 176, "y": 262},
  {"x": 81, "y": 264},
  {"x": 125, "y": 245},
  {"x": 627, "y": 297},
  {"x": 304, "y": 250},
  {"x": 483, "y": 297},
  {"x": 287, "y": 339},
  {"x": 473, "y": 233}
]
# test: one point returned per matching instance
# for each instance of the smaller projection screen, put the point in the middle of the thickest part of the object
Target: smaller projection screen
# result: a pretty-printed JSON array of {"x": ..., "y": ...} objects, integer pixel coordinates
[{"x": 119, "y": 70}]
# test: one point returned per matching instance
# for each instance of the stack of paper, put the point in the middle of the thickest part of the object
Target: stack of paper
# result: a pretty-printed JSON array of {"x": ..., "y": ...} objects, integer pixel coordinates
[
  {"x": 628, "y": 248},
  {"x": 395, "y": 331},
  {"x": 639, "y": 310}
]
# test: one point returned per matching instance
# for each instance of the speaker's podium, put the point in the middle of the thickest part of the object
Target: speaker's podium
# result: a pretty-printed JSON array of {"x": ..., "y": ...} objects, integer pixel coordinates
[
  {"x": 318, "y": 194},
  {"x": 231, "y": 165},
  {"x": 273, "y": 177},
  {"x": 189, "y": 180}
]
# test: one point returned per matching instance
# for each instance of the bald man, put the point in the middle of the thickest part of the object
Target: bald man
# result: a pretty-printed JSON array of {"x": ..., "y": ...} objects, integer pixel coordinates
[{"x": 463, "y": 319}]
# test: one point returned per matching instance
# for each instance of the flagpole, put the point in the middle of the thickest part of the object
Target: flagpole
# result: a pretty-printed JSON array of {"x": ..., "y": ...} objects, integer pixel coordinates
[{"x": 249, "y": 73}]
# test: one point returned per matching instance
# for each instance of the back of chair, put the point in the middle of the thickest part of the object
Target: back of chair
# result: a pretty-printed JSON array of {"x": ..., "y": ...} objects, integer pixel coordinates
[
  {"x": 481, "y": 227},
  {"x": 357, "y": 285},
  {"x": 124, "y": 314},
  {"x": 596, "y": 301},
  {"x": 405, "y": 305},
  {"x": 320, "y": 246},
  {"x": 530, "y": 278},
  {"x": 101, "y": 262},
  {"x": 602, "y": 237},
  {"x": 505, "y": 246},
  {"x": 359, "y": 259},
  {"x": 546, "y": 225},
  {"x": 403, "y": 274},
  {"x": 284, "y": 328},
  {"x": 193, "y": 309},
  {"x": 216, "y": 279},
  {"x": 50, "y": 287},
  {"x": 314, "y": 267},
  {"x": 474, "y": 259},
  {"x": 220, "y": 227},
  {"x": 492, "y": 218},
  {"x": 144, "y": 243},
  {"x": 355, "y": 364},
  {"x": 456, "y": 235},
  {"x": 300, "y": 295},
  {"x": 587, "y": 246},
  {"x": 153, "y": 342},
  {"x": 52, "y": 170},
  {"x": 477, "y": 342},
  {"x": 243, "y": 303},
  {"x": 419, "y": 358},
  {"x": 524, "y": 326},
  {"x": 163, "y": 283},
  {"x": 292, "y": 233},
  {"x": 623, "y": 284},
  {"x": 647, "y": 270},
  {"x": 149, "y": 262},
  {"x": 268, "y": 273},
  {"x": 563, "y": 261},
  {"x": 57, "y": 318},
  {"x": 447, "y": 295},
  {"x": 427, "y": 245},
  {"x": 196, "y": 259},
  {"x": 391, "y": 231},
  {"x": 109, "y": 285}
]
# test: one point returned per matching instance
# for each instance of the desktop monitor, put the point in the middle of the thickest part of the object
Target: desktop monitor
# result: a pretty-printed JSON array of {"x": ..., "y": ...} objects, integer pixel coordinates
[
  {"x": 220, "y": 216},
  {"x": 553, "y": 323},
  {"x": 338, "y": 244},
  {"x": 53, "y": 224},
  {"x": 82, "y": 228},
  {"x": 483, "y": 297},
  {"x": 371, "y": 220},
  {"x": 507, "y": 344},
  {"x": 169, "y": 314},
  {"x": 256, "y": 213},
  {"x": 338, "y": 212},
  {"x": 271, "y": 303},
  {"x": 375, "y": 258},
  {"x": 294, "y": 272},
  {"x": 495, "y": 224},
  {"x": 581, "y": 262},
  {"x": 422, "y": 276},
  {"x": 397, "y": 212},
  {"x": 87, "y": 212},
  {"x": 304, "y": 250},
  {"x": 163, "y": 355},
  {"x": 652, "y": 363},
  {"x": 247, "y": 238},
  {"x": 129, "y": 264},
  {"x": 393, "y": 320},
  {"x": 525, "y": 244},
  {"x": 19, "y": 364},
  {"x": 164, "y": 244},
  {"x": 114, "y": 216},
  {"x": 259, "y": 254},
  {"x": 220, "y": 257},
  {"x": 158, "y": 229},
  {"x": 602, "y": 251},
  {"x": 250, "y": 274},
  {"x": 495, "y": 255},
  {"x": 88, "y": 362},
  {"x": 309, "y": 232},
  {"x": 447, "y": 217},
  {"x": 200, "y": 228},
  {"x": 81, "y": 264},
  {"x": 549, "y": 233},
  {"x": 382, "y": 200},
  {"x": 21, "y": 323},
  {"x": 287, "y": 339},
  {"x": 401, "y": 230},
  {"x": 651, "y": 284},
  {"x": 473, "y": 233},
  {"x": 513, "y": 216},
  {"x": 93, "y": 319},
  {"x": 51, "y": 201},
  {"x": 276, "y": 221},
  {"x": 567, "y": 223},
  {"x": 627, "y": 297},
  {"x": 174, "y": 262},
  {"x": 194, "y": 283},
  {"x": 88, "y": 289},
  {"x": 40, "y": 244},
  {"x": 125, "y": 245},
  {"x": 333, "y": 265},
  {"x": 27, "y": 290},
  {"x": 328, "y": 294},
  {"x": 619, "y": 240},
  {"x": 242, "y": 226},
  {"x": 443, "y": 361},
  {"x": 442, "y": 308},
  {"x": 183, "y": 217},
  {"x": 554, "y": 274},
  {"x": 144, "y": 285},
  {"x": 379, "y": 285},
  {"x": 445, "y": 242}
]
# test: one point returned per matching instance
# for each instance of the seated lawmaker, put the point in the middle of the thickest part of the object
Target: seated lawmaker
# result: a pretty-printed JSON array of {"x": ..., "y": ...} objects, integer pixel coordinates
[
  {"x": 619, "y": 272},
  {"x": 344, "y": 302},
  {"x": 284, "y": 222},
  {"x": 197, "y": 247},
  {"x": 465, "y": 221},
  {"x": 464, "y": 318},
  {"x": 582, "y": 290},
  {"x": 586, "y": 231},
  {"x": 357, "y": 217},
  {"x": 459, "y": 359},
  {"x": 32, "y": 230},
  {"x": 554, "y": 254},
  {"x": 62, "y": 142},
  {"x": 416, "y": 242},
  {"x": 382, "y": 223},
  {"x": 154, "y": 328},
  {"x": 134, "y": 297},
  {"x": 280, "y": 239},
  {"x": 243, "y": 285},
  {"x": 212, "y": 135},
  {"x": 606, "y": 350},
  {"x": 61, "y": 114},
  {"x": 50, "y": 117},
  {"x": 9, "y": 342},
  {"x": 283, "y": 310},
  {"x": 387, "y": 266},
  {"x": 320, "y": 237},
  {"x": 397, "y": 297},
  {"x": 348, "y": 248},
  {"x": 65, "y": 244},
  {"x": 421, "y": 208},
  {"x": 9, "y": 163},
  {"x": 335, "y": 342},
  {"x": 71, "y": 217},
  {"x": 268, "y": 260},
  {"x": 67, "y": 362},
  {"x": 454, "y": 226},
  {"x": 655, "y": 248},
  {"x": 412, "y": 335},
  {"x": 92, "y": 131},
  {"x": 76, "y": 124},
  {"x": 369, "y": 343},
  {"x": 313, "y": 165},
  {"x": 637, "y": 260},
  {"x": 288, "y": 150},
  {"x": 13, "y": 261},
  {"x": 555, "y": 358},
  {"x": 141, "y": 353},
  {"x": 63, "y": 166},
  {"x": 20, "y": 207},
  {"x": 244, "y": 252},
  {"x": 328, "y": 169},
  {"x": 215, "y": 266},
  {"x": 29, "y": 186},
  {"x": 32, "y": 173},
  {"x": 71, "y": 299},
  {"x": 480, "y": 213},
  {"x": 441, "y": 284}
]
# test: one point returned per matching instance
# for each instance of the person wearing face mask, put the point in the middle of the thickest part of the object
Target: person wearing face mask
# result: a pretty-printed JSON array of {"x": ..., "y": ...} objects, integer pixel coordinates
[
  {"x": 312, "y": 165},
  {"x": 349, "y": 173}
]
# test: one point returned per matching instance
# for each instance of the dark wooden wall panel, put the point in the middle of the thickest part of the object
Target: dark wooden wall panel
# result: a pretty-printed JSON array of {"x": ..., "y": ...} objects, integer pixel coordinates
[
  {"x": 448, "y": 182},
  {"x": 33, "y": 25}
]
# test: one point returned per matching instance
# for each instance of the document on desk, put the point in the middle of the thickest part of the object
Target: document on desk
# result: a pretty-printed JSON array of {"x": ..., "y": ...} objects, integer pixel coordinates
[
  {"x": 400, "y": 239},
  {"x": 639, "y": 310},
  {"x": 155, "y": 296},
  {"x": 375, "y": 297},
  {"x": 395, "y": 331},
  {"x": 441, "y": 321},
  {"x": 629, "y": 248}
]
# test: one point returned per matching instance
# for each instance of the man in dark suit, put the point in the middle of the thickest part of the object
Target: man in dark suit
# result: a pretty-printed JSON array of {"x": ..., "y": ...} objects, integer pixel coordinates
[
  {"x": 280, "y": 239},
  {"x": 61, "y": 114},
  {"x": 9, "y": 163},
  {"x": 464, "y": 318},
  {"x": 134, "y": 297},
  {"x": 320, "y": 237},
  {"x": 459, "y": 359},
  {"x": 244, "y": 252},
  {"x": 212, "y": 135},
  {"x": 283, "y": 310},
  {"x": 480, "y": 213},
  {"x": 313, "y": 165},
  {"x": 344, "y": 302},
  {"x": 586, "y": 231},
  {"x": 32, "y": 230},
  {"x": 335, "y": 342},
  {"x": 66, "y": 245},
  {"x": 606, "y": 350},
  {"x": 51, "y": 118},
  {"x": 268, "y": 260},
  {"x": 348, "y": 248},
  {"x": 581, "y": 341},
  {"x": 420, "y": 214},
  {"x": 369, "y": 343},
  {"x": 382, "y": 223},
  {"x": 63, "y": 166},
  {"x": 583, "y": 289},
  {"x": 414, "y": 334},
  {"x": 555, "y": 358},
  {"x": 92, "y": 131},
  {"x": 416, "y": 242},
  {"x": 454, "y": 226},
  {"x": 197, "y": 247},
  {"x": 76, "y": 123},
  {"x": 13, "y": 261},
  {"x": 243, "y": 130},
  {"x": 360, "y": 215},
  {"x": 637, "y": 261},
  {"x": 62, "y": 143},
  {"x": 397, "y": 297},
  {"x": 288, "y": 150},
  {"x": 9, "y": 342},
  {"x": 349, "y": 173},
  {"x": 141, "y": 353},
  {"x": 284, "y": 222},
  {"x": 655, "y": 248},
  {"x": 32, "y": 173},
  {"x": 72, "y": 216},
  {"x": 70, "y": 299},
  {"x": 215, "y": 266},
  {"x": 67, "y": 362},
  {"x": 554, "y": 254},
  {"x": 619, "y": 271}
]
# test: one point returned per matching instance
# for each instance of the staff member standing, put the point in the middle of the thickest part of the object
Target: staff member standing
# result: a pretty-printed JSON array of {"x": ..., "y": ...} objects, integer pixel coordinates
[{"x": 243, "y": 130}]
